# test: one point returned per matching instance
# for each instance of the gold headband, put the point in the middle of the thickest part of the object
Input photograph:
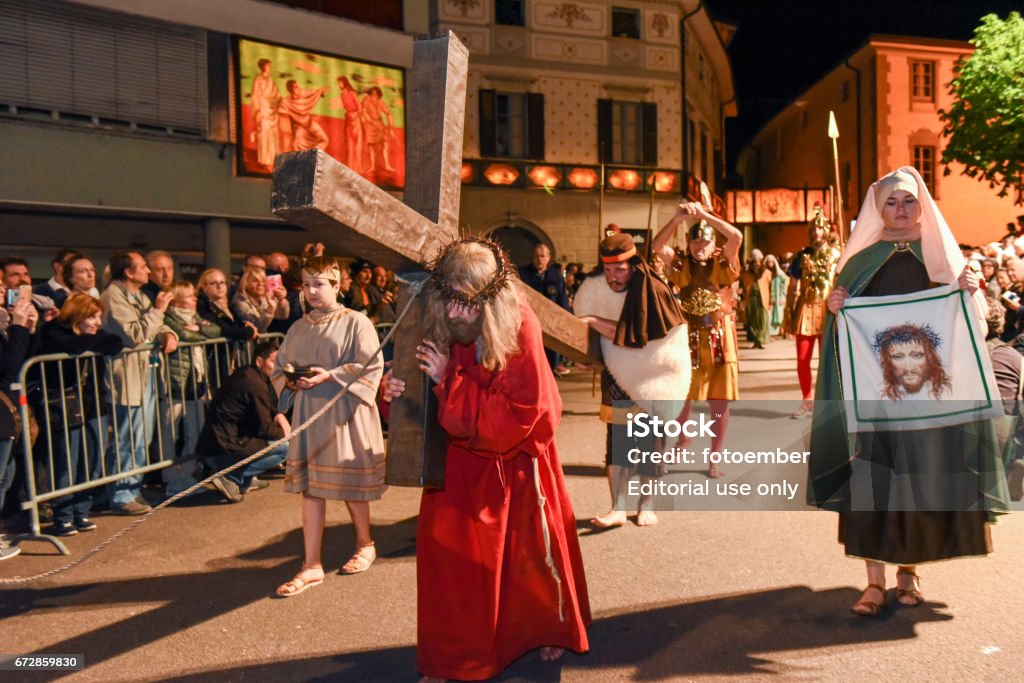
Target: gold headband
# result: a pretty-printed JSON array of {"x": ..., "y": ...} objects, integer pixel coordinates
[{"x": 333, "y": 274}]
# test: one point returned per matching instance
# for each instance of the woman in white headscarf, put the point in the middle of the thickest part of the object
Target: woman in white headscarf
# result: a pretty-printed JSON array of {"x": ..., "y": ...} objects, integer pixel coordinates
[{"x": 901, "y": 245}]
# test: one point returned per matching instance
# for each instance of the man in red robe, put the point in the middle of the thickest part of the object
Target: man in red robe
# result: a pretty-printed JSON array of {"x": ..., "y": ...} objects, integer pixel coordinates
[{"x": 498, "y": 563}]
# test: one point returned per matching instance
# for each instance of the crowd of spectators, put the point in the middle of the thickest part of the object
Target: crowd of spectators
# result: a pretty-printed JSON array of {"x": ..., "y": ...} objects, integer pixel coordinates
[{"x": 143, "y": 300}]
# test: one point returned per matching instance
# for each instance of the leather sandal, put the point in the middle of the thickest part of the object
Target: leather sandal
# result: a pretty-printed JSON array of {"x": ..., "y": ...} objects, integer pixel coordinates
[
  {"x": 870, "y": 608},
  {"x": 297, "y": 585},
  {"x": 912, "y": 597},
  {"x": 361, "y": 560}
]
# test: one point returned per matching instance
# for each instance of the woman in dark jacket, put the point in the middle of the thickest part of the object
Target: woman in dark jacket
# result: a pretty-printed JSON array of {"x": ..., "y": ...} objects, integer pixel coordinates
[
  {"x": 215, "y": 307},
  {"x": 17, "y": 325},
  {"x": 74, "y": 407}
]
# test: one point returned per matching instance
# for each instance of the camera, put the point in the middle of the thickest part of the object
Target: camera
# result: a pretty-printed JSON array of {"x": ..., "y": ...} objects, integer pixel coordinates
[{"x": 1011, "y": 296}]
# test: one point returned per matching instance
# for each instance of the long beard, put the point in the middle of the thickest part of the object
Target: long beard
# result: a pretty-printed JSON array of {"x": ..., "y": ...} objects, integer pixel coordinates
[{"x": 465, "y": 333}]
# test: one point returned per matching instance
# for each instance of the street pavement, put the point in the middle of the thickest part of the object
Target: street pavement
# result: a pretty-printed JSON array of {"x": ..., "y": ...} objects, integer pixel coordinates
[{"x": 701, "y": 596}]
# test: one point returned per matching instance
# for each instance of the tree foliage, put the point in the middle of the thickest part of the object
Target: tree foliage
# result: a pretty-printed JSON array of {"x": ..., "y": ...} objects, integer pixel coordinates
[{"x": 985, "y": 125}]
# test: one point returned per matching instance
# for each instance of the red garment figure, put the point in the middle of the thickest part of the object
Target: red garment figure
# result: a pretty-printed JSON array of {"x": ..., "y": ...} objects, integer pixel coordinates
[{"x": 486, "y": 595}]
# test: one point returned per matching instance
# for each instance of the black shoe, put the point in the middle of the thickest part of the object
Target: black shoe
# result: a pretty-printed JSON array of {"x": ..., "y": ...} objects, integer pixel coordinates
[
  {"x": 85, "y": 524},
  {"x": 228, "y": 489},
  {"x": 62, "y": 529}
]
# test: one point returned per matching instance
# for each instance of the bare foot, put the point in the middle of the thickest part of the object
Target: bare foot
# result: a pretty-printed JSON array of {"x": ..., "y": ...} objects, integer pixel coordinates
[
  {"x": 646, "y": 518},
  {"x": 715, "y": 472},
  {"x": 612, "y": 519},
  {"x": 550, "y": 654}
]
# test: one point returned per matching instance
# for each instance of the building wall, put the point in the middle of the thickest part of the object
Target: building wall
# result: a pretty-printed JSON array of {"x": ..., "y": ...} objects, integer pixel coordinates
[
  {"x": 974, "y": 212},
  {"x": 888, "y": 124},
  {"x": 102, "y": 187},
  {"x": 573, "y": 64}
]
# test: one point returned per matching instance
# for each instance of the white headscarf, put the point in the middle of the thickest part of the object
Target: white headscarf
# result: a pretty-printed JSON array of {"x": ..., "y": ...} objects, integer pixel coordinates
[{"x": 942, "y": 256}]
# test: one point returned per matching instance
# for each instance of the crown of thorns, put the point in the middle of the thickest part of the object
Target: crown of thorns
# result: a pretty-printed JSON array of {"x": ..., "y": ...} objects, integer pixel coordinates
[
  {"x": 502, "y": 275},
  {"x": 905, "y": 334}
]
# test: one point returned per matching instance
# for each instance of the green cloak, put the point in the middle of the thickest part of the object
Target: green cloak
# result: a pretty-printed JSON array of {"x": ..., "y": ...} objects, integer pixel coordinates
[{"x": 833, "y": 447}]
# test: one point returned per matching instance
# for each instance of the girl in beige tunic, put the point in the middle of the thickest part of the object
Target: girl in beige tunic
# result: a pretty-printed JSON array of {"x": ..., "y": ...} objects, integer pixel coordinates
[{"x": 341, "y": 455}]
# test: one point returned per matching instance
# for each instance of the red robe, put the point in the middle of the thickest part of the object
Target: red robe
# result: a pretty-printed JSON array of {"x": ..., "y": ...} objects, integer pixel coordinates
[{"x": 485, "y": 594}]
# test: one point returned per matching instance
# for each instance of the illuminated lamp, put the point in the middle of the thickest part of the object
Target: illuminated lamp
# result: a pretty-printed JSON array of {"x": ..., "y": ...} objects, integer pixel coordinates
[
  {"x": 545, "y": 176},
  {"x": 624, "y": 179},
  {"x": 468, "y": 173},
  {"x": 663, "y": 181},
  {"x": 501, "y": 174},
  {"x": 583, "y": 178}
]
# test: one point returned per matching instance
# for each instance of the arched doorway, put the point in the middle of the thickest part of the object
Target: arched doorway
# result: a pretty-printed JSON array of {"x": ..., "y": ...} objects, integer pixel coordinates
[{"x": 519, "y": 239}]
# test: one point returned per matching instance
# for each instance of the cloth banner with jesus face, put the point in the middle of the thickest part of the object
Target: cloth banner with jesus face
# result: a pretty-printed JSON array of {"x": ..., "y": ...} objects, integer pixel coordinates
[{"x": 915, "y": 361}]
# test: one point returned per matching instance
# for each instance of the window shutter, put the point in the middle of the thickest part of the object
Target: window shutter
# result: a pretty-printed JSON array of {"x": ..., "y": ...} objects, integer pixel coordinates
[
  {"x": 650, "y": 133},
  {"x": 535, "y": 126},
  {"x": 99, "y": 64},
  {"x": 487, "y": 129},
  {"x": 604, "y": 131}
]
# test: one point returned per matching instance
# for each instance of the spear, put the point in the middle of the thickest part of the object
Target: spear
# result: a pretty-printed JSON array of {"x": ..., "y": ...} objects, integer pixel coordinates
[{"x": 833, "y": 132}]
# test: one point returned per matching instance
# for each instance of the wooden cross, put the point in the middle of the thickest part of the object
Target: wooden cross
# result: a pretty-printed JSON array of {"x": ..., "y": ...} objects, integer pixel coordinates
[{"x": 348, "y": 213}]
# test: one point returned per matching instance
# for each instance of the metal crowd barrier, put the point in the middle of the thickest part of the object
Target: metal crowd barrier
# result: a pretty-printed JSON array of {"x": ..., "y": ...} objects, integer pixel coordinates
[{"x": 81, "y": 403}]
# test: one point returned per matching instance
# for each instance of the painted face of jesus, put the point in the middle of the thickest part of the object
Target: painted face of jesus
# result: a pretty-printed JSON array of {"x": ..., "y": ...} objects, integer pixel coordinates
[{"x": 910, "y": 363}]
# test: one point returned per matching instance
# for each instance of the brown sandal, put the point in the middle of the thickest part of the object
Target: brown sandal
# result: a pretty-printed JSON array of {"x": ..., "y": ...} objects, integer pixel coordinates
[
  {"x": 361, "y": 561},
  {"x": 870, "y": 608},
  {"x": 913, "y": 597}
]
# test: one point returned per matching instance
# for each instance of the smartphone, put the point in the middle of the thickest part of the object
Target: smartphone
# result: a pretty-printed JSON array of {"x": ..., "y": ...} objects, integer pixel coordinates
[
  {"x": 274, "y": 283},
  {"x": 1011, "y": 296},
  {"x": 15, "y": 293}
]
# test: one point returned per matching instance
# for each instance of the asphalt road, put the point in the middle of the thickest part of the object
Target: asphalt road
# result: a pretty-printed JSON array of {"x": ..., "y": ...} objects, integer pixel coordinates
[{"x": 700, "y": 596}]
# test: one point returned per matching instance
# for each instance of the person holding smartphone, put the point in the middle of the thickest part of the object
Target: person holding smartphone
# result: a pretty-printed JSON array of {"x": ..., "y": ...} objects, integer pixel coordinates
[{"x": 18, "y": 323}]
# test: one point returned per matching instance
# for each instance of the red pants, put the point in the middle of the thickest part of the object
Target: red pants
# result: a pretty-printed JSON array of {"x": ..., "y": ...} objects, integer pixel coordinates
[{"x": 804, "y": 352}]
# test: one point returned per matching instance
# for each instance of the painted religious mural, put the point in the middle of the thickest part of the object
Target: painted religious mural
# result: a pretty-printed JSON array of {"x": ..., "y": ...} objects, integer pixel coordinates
[{"x": 292, "y": 100}]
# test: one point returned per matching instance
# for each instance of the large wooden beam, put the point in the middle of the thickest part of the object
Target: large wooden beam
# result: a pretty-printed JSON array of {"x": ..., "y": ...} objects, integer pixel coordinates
[
  {"x": 563, "y": 332},
  {"x": 351, "y": 214},
  {"x": 437, "y": 109}
]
